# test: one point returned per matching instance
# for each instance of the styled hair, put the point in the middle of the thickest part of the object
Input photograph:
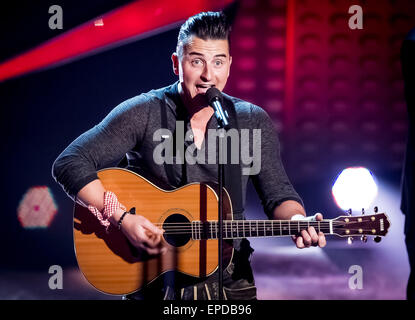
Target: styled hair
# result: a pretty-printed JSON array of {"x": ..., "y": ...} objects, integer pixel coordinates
[{"x": 204, "y": 25}]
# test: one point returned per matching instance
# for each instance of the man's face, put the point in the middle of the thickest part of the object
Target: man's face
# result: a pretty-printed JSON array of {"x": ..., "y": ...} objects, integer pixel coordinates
[{"x": 203, "y": 64}]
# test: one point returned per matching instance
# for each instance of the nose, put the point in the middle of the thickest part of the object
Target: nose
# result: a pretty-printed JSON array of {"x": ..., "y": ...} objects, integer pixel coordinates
[{"x": 207, "y": 73}]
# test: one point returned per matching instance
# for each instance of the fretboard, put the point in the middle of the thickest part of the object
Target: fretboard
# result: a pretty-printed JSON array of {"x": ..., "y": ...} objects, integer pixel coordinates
[{"x": 234, "y": 229}]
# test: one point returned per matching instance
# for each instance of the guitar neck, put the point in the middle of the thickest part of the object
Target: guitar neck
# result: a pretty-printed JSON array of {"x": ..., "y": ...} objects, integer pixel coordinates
[{"x": 236, "y": 229}]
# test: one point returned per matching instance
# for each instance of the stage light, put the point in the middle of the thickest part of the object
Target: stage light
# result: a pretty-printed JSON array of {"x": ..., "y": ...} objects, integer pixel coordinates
[
  {"x": 99, "y": 23},
  {"x": 247, "y": 63},
  {"x": 37, "y": 208},
  {"x": 246, "y": 84},
  {"x": 276, "y": 63},
  {"x": 276, "y": 43},
  {"x": 355, "y": 188}
]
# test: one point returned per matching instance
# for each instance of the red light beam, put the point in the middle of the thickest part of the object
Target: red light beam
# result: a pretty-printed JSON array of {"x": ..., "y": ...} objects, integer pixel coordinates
[{"x": 137, "y": 19}]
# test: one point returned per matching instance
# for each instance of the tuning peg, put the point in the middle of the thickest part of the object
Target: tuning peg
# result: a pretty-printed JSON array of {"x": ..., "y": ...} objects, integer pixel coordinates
[
  {"x": 363, "y": 211},
  {"x": 375, "y": 209},
  {"x": 363, "y": 238},
  {"x": 377, "y": 239},
  {"x": 349, "y": 212},
  {"x": 349, "y": 240}
]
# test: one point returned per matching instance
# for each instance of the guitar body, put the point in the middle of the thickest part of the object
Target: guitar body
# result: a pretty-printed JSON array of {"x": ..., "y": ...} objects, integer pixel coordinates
[{"x": 112, "y": 265}]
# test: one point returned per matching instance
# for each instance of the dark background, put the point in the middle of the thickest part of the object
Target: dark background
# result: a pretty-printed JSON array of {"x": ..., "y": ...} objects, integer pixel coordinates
[{"x": 42, "y": 112}]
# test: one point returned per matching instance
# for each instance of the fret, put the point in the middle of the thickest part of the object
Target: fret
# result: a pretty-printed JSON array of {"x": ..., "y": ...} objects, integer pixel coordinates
[
  {"x": 272, "y": 227},
  {"x": 226, "y": 229},
  {"x": 265, "y": 228},
  {"x": 285, "y": 229},
  {"x": 211, "y": 230},
  {"x": 243, "y": 227},
  {"x": 233, "y": 230},
  {"x": 237, "y": 230},
  {"x": 280, "y": 229},
  {"x": 289, "y": 227},
  {"x": 257, "y": 230},
  {"x": 254, "y": 229}
]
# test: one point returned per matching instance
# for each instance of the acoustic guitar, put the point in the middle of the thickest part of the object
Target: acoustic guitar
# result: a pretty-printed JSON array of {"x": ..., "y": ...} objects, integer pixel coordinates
[{"x": 189, "y": 217}]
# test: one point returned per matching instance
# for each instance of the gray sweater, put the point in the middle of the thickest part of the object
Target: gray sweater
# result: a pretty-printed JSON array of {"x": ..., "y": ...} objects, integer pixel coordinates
[{"x": 132, "y": 129}]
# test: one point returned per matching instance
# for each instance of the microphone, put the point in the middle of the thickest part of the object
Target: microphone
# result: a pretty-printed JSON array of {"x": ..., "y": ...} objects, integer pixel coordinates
[{"x": 213, "y": 97}]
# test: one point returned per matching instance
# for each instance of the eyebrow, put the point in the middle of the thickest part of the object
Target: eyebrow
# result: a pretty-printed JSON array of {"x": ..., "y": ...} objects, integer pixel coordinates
[{"x": 193, "y": 53}]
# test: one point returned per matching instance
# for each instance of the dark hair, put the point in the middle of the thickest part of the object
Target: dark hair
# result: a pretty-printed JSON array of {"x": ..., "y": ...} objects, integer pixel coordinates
[{"x": 204, "y": 25}]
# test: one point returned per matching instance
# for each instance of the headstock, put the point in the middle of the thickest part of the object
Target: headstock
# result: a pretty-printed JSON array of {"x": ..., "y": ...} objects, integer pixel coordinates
[{"x": 365, "y": 225}]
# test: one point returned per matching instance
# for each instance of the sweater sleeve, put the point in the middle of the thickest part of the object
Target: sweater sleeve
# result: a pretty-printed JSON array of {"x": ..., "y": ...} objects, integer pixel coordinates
[
  {"x": 271, "y": 183},
  {"x": 101, "y": 146}
]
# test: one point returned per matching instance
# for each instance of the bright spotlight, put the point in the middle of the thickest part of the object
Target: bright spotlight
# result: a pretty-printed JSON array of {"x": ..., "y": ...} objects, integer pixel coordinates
[{"x": 355, "y": 188}]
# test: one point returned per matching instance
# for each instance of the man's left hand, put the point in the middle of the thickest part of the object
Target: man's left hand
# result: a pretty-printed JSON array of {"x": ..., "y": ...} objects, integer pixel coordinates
[{"x": 310, "y": 237}]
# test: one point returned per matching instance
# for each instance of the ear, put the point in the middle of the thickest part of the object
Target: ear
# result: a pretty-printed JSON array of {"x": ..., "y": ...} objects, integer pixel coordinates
[{"x": 175, "y": 61}]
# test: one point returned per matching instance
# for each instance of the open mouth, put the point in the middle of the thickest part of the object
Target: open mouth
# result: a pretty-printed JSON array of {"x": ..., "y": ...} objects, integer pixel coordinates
[{"x": 204, "y": 86}]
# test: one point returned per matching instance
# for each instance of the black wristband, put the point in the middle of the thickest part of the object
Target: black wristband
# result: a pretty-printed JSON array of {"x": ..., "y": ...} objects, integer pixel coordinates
[
  {"x": 132, "y": 211},
  {"x": 120, "y": 221}
]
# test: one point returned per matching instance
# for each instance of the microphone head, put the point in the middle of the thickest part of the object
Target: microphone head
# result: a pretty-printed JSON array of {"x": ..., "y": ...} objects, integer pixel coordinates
[{"x": 213, "y": 94}]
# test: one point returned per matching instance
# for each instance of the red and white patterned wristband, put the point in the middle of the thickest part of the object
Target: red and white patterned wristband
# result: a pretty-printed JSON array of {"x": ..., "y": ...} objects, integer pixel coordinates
[{"x": 111, "y": 204}]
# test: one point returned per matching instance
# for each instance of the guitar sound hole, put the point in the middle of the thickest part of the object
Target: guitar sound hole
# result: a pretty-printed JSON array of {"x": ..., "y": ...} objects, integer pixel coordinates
[{"x": 178, "y": 230}]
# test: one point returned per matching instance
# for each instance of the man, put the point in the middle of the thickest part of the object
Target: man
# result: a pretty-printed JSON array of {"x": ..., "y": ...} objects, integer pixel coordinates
[
  {"x": 202, "y": 60},
  {"x": 408, "y": 176}
]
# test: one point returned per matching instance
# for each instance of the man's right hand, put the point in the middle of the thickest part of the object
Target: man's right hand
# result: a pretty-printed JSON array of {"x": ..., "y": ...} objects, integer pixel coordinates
[
  {"x": 143, "y": 234},
  {"x": 138, "y": 230}
]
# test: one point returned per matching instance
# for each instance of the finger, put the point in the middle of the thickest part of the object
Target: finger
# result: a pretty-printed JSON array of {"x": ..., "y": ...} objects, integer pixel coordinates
[
  {"x": 153, "y": 240},
  {"x": 151, "y": 227},
  {"x": 306, "y": 238},
  {"x": 313, "y": 234},
  {"x": 145, "y": 237},
  {"x": 300, "y": 243},
  {"x": 295, "y": 239},
  {"x": 318, "y": 216},
  {"x": 321, "y": 240}
]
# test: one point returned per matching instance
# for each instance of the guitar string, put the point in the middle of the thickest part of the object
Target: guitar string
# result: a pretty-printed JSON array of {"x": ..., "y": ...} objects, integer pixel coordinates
[
  {"x": 254, "y": 229},
  {"x": 239, "y": 223},
  {"x": 356, "y": 233},
  {"x": 247, "y": 229},
  {"x": 242, "y": 227},
  {"x": 312, "y": 223},
  {"x": 267, "y": 221},
  {"x": 257, "y": 230},
  {"x": 187, "y": 227}
]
